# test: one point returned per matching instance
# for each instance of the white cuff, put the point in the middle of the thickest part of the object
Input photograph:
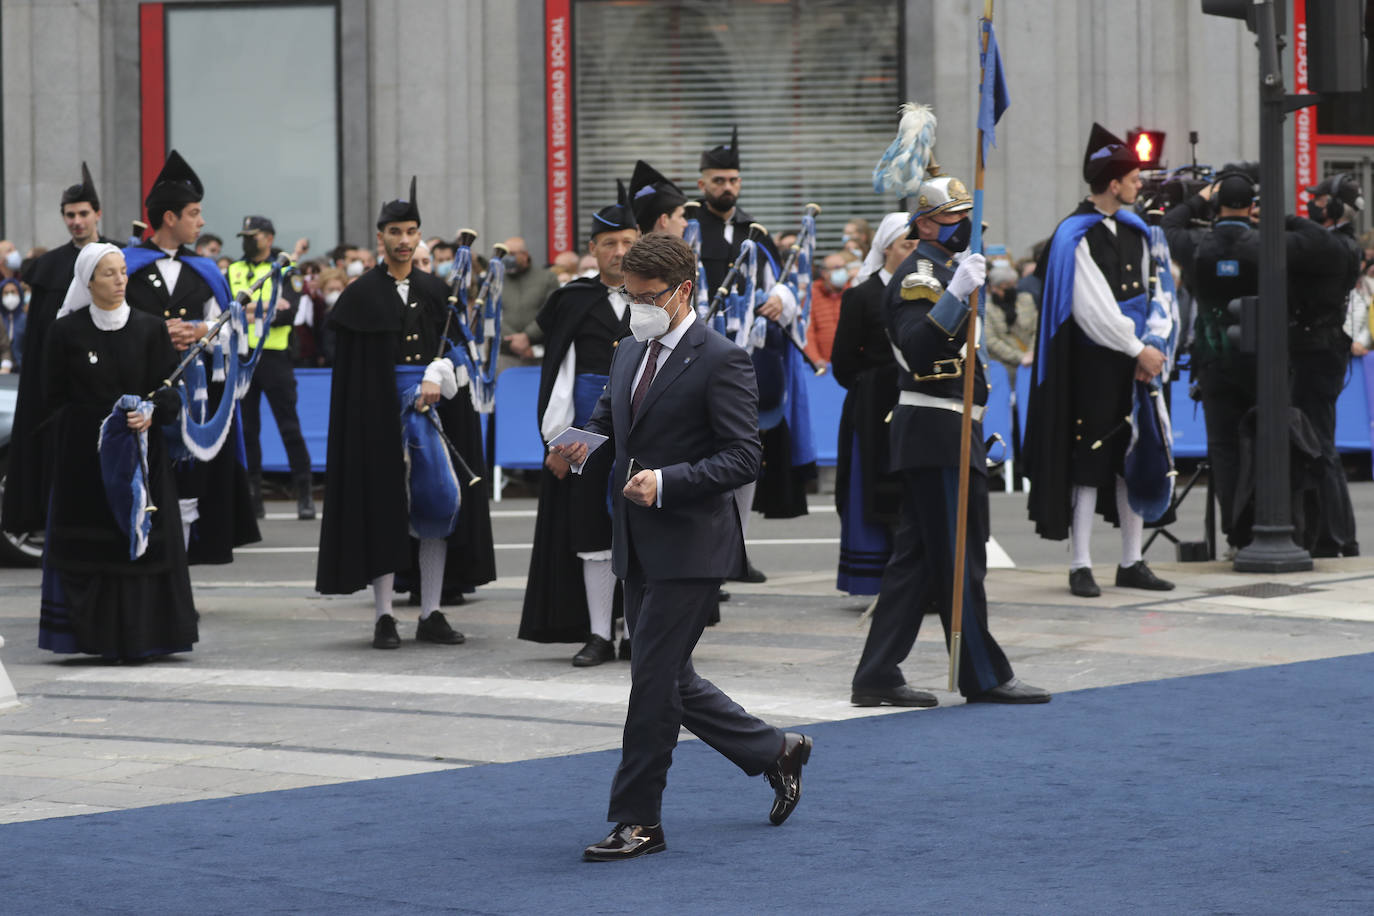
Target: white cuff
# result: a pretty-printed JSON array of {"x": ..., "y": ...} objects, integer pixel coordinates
[
  {"x": 441, "y": 373},
  {"x": 658, "y": 489}
]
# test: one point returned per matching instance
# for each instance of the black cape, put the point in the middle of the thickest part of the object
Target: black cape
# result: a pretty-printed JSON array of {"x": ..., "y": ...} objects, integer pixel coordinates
[
  {"x": 114, "y": 606},
  {"x": 220, "y": 486},
  {"x": 28, "y": 475},
  {"x": 364, "y": 532},
  {"x": 572, "y": 516}
]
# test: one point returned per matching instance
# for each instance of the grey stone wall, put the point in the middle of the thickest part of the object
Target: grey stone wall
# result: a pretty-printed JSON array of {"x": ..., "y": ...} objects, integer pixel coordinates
[{"x": 453, "y": 91}]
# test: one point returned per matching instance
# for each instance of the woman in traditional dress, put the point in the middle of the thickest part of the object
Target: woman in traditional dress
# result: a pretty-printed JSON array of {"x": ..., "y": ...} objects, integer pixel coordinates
[{"x": 95, "y": 599}]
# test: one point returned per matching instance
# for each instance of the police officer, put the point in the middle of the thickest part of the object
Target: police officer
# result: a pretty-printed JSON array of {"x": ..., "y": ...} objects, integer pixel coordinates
[
  {"x": 274, "y": 376},
  {"x": 926, "y": 306},
  {"x": 1225, "y": 266},
  {"x": 1323, "y": 265}
]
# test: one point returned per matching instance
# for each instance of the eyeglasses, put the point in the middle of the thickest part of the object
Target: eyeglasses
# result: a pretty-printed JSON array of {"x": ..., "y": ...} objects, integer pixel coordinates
[{"x": 645, "y": 298}]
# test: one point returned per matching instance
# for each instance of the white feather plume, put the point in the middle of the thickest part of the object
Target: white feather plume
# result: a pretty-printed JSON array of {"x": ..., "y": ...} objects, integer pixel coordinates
[{"x": 903, "y": 166}]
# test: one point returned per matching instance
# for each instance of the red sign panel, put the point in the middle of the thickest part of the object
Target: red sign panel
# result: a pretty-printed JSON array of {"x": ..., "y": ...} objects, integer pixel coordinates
[
  {"x": 1305, "y": 119},
  {"x": 558, "y": 114}
]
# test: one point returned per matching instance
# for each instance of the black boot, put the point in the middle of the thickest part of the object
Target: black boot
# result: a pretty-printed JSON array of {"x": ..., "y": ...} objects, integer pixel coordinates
[
  {"x": 305, "y": 497},
  {"x": 255, "y": 494}
]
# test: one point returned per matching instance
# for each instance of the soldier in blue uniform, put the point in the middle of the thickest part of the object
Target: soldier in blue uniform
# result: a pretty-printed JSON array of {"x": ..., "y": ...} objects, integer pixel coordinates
[{"x": 926, "y": 307}]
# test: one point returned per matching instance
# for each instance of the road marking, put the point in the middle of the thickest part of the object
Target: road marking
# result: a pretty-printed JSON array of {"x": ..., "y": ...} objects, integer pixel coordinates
[
  {"x": 997, "y": 557},
  {"x": 516, "y": 513},
  {"x": 829, "y": 707}
]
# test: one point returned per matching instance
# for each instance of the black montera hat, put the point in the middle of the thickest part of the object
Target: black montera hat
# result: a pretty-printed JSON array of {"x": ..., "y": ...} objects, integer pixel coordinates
[
  {"x": 174, "y": 187},
  {"x": 652, "y": 195},
  {"x": 617, "y": 217},
  {"x": 82, "y": 193},
  {"x": 723, "y": 157},
  {"x": 1107, "y": 156},
  {"x": 399, "y": 211}
]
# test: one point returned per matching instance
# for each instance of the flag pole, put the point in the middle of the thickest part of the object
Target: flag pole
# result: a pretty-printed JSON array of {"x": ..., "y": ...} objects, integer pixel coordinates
[{"x": 956, "y": 623}]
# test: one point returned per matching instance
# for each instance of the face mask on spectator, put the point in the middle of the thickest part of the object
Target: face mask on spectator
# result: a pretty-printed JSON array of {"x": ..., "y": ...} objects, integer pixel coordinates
[
  {"x": 839, "y": 277},
  {"x": 13, "y": 260},
  {"x": 10, "y": 301},
  {"x": 355, "y": 268},
  {"x": 331, "y": 297},
  {"x": 442, "y": 269}
]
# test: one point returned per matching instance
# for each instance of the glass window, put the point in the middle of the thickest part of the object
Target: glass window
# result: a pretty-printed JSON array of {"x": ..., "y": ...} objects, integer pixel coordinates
[
  {"x": 812, "y": 84},
  {"x": 252, "y": 103}
]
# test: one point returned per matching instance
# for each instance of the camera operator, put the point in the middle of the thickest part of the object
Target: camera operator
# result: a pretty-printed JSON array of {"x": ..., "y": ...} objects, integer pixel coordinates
[
  {"x": 1323, "y": 266},
  {"x": 1225, "y": 266}
]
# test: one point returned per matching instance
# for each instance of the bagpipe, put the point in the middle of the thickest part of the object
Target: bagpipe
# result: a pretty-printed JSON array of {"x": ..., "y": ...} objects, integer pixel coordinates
[
  {"x": 692, "y": 236},
  {"x": 124, "y": 453},
  {"x": 477, "y": 343},
  {"x": 796, "y": 273},
  {"x": 731, "y": 309}
]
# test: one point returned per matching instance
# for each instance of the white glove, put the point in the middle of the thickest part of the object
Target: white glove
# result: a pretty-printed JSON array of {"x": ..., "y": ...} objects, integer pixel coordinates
[{"x": 970, "y": 275}]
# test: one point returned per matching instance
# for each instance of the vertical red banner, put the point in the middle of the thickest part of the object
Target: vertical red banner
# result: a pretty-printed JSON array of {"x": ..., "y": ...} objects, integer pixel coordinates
[
  {"x": 1305, "y": 119},
  {"x": 558, "y": 117},
  {"x": 152, "y": 76}
]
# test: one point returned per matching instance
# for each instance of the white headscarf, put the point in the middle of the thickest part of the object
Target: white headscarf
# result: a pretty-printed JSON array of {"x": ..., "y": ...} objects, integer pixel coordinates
[
  {"x": 79, "y": 293},
  {"x": 892, "y": 228}
]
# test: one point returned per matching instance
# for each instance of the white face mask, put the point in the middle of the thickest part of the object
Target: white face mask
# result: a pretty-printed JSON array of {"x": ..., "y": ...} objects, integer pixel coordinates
[
  {"x": 355, "y": 268},
  {"x": 331, "y": 297},
  {"x": 649, "y": 322},
  {"x": 13, "y": 260},
  {"x": 10, "y": 301}
]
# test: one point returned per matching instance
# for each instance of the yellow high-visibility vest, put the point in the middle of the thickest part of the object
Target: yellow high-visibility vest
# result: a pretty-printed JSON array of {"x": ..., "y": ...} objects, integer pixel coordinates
[{"x": 242, "y": 276}]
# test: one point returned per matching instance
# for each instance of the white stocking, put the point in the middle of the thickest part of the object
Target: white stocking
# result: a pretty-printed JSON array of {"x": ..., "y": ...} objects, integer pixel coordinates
[
  {"x": 1132, "y": 527},
  {"x": 1080, "y": 535},
  {"x": 433, "y": 554},
  {"x": 382, "y": 589},
  {"x": 600, "y": 584}
]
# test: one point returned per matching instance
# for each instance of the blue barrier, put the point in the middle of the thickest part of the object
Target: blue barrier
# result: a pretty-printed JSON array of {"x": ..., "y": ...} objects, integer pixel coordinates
[{"x": 518, "y": 444}]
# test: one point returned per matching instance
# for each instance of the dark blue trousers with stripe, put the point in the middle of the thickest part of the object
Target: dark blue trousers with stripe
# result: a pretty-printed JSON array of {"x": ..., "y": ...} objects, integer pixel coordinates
[{"x": 920, "y": 576}]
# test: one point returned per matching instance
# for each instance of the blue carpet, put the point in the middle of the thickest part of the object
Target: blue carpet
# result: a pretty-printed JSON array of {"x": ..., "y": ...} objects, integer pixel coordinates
[{"x": 1245, "y": 792}]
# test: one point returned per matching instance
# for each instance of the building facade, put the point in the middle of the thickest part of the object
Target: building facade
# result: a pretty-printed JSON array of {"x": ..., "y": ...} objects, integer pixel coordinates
[{"x": 517, "y": 115}]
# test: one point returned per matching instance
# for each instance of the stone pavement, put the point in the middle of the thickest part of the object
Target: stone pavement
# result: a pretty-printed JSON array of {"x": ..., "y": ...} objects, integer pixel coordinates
[{"x": 283, "y": 690}]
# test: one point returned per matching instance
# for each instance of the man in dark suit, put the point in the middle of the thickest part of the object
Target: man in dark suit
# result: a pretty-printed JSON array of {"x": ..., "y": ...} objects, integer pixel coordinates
[{"x": 682, "y": 407}]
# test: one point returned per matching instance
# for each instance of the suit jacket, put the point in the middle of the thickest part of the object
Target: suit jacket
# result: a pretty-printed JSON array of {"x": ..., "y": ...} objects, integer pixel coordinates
[{"x": 698, "y": 424}]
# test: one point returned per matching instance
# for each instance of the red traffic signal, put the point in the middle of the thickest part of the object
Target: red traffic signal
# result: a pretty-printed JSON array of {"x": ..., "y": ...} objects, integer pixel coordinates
[{"x": 1148, "y": 146}]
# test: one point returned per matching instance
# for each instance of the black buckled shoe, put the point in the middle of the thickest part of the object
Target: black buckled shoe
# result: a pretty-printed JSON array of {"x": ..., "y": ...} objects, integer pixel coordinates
[
  {"x": 785, "y": 776},
  {"x": 597, "y": 651},
  {"x": 1138, "y": 575},
  {"x": 1014, "y": 691},
  {"x": 901, "y": 695},
  {"x": 752, "y": 574},
  {"x": 435, "y": 628},
  {"x": 1082, "y": 583},
  {"x": 384, "y": 635},
  {"x": 627, "y": 841}
]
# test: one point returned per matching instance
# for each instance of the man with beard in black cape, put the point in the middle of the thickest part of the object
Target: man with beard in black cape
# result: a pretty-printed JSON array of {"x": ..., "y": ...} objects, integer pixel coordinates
[
  {"x": 781, "y": 487},
  {"x": 27, "y": 476},
  {"x": 570, "y": 592},
  {"x": 388, "y": 326},
  {"x": 170, "y": 281}
]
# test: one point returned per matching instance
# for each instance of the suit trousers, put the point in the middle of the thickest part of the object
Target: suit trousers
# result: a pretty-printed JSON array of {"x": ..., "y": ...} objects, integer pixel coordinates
[
  {"x": 275, "y": 378},
  {"x": 1228, "y": 391},
  {"x": 921, "y": 575},
  {"x": 1318, "y": 379},
  {"x": 667, "y": 617}
]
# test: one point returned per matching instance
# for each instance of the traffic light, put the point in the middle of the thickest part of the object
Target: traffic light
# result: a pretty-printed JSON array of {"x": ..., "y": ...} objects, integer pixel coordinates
[
  {"x": 1245, "y": 9},
  {"x": 1148, "y": 146}
]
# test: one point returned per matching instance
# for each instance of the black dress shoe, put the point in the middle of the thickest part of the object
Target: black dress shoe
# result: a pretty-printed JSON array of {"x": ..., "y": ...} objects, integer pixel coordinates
[
  {"x": 901, "y": 695},
  {"x": 722, "y": 596},
  {"x": 598, "y": 650},
  {"x": 714, "y": 617},
  {"x": 1082, "y": 583},
  {"x": 1013, "y": 691},
  {"x": 435, "y": 628},
  {"x": 785, "y": 776},
  {"x": 627, "y": 841},
  {"x": 1139, "y": 575},
  {"x": 752, "y": 574},
  {"x": 624, "y": 650},
  {"x": 384, "y": 635}
]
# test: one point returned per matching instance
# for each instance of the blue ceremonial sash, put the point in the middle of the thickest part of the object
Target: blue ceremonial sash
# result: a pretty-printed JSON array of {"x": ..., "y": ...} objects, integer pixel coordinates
[
  {"x": 432, "y": 483},
  {"x": 124, "y": 471},
  {"x": 586, "y": 392},
  {"x": 1056, "y": 304},
  {"x": 137, "y": 258}
]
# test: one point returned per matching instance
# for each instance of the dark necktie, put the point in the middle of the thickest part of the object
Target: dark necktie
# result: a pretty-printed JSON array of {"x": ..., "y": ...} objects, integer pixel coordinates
[{"x": 646, "y": 379}]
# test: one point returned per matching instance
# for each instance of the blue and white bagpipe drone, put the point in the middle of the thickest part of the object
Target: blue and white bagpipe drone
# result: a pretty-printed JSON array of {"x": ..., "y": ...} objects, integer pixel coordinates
[
  {"x": 201, "y": 433},
  {"x": 433, "y": 462}
]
